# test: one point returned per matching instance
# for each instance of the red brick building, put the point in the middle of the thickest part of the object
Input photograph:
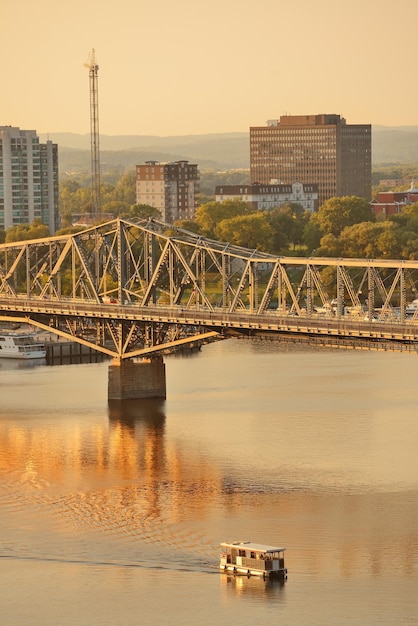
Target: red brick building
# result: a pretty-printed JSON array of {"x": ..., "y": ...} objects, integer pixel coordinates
[{"x": 392, "y": 202}]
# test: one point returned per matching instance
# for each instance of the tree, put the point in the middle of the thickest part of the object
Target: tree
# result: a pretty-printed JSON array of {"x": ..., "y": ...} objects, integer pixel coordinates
[
  {"x": 210, "y": 214},
  {"x": 409, "y": 242},
  {"x": 143, "y": 212},
  {"x": 210, "y": 179},
  {"x": 287, "y": 222},
  {"x": 70, "y": 230},
  {"x": 75, "y": 195},
  {"x": 249, "y": 231},
  {"x": 125, "y": 189},
  {"x": 408, "y": 218},
  {"x": 24, "y": 232},
  {"x": 339, "y": 212},
  {"x": 365, "y": 240},
  {"x": 74, "y": 198},
  {"x": 311, "y": 236},
  {"x": 189, "y": 225},
  {"x": 330, "y": 245},
  {"x": 116, "y": 208}
]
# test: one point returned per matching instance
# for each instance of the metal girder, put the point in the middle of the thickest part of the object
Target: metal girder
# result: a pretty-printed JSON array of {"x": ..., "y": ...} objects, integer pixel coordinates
[{"x": 148, "y": 264}]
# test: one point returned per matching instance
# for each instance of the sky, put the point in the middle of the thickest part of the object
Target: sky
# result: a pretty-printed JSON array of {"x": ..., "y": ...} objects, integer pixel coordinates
[{"x": 190, "y": 67}]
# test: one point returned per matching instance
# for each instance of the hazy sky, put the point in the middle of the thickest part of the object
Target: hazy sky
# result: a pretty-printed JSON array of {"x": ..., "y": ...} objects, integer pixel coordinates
[{"x": 173, "y": 67}]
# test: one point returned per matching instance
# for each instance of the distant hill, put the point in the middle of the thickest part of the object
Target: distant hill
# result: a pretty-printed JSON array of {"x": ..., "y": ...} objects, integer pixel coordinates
[
  {"x": 397, "y": 144},
  {"x": 212, "y": 151}
]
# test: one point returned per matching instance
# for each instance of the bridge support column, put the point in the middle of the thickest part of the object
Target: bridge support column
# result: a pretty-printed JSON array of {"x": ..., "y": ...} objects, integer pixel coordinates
[{"x": 130, "y": 379}]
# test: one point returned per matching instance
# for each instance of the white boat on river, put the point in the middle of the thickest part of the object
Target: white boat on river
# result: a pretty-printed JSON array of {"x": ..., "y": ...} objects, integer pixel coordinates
[
  {"x": 21, "y": 345},
  {"x": 253, "y": 559}
]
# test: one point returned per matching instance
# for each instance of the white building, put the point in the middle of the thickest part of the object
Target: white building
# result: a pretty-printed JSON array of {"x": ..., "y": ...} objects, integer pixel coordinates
[
  {"x": 266, "y": 197},
  {"x": 28, "y": 179}
]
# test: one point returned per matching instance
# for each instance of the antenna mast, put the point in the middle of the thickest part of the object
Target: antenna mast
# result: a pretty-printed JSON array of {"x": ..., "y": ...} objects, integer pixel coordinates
[{"x": 94, "y": 132}]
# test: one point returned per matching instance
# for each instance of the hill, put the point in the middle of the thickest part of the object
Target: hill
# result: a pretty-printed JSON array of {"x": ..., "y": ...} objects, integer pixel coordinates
[
  {"x": 220, "y": 151},
  {"x": 214, "y": 151},
  {"x": 394, "y": 144}
]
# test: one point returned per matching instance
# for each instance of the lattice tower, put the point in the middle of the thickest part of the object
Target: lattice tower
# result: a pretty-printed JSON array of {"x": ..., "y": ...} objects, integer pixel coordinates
[{"x": 94, "y": 132}]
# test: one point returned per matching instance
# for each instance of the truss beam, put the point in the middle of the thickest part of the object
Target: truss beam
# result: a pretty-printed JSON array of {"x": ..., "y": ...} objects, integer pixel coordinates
[{"x": 143, "y": 265}]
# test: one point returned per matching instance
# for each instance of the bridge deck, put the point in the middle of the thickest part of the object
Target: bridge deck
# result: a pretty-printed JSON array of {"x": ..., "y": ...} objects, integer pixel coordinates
[
  {"x": 178, "y": 287},
  {"x": 218, "y": 320}
]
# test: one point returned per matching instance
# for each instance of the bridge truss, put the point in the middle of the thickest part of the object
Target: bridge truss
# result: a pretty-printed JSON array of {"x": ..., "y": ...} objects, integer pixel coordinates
[{"x": 132, "y": 289}]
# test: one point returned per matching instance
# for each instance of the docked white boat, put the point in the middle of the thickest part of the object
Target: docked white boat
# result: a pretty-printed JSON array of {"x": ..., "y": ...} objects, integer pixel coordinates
[
  {"x": 411, "y": 308},
  {"x": 252, "y": 559},
  {"x": 18, "y": 345}
]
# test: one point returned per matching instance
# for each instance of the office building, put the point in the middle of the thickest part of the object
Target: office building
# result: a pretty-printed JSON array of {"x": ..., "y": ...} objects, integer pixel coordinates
[
  {"x": 267, "y": 197},
  {"x": 28, "y": 179},
  {"x": 170, "y": 187},
  {"x": 314, "y": 149}
]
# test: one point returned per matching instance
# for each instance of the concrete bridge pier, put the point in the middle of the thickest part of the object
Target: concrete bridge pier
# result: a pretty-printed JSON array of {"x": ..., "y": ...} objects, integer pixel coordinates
[{"x": 132, "y": 379}]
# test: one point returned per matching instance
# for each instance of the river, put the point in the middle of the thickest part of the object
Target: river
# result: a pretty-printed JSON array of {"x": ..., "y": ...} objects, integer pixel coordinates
[{"x": 113, "y": 514}]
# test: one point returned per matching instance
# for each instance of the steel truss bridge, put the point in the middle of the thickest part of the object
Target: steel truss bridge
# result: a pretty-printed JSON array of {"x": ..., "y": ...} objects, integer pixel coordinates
[{"x": 139, "y": 289}]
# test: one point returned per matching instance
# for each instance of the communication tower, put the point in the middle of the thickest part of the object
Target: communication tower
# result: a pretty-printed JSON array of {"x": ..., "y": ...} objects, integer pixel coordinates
[{"x": 94, "y": 132}]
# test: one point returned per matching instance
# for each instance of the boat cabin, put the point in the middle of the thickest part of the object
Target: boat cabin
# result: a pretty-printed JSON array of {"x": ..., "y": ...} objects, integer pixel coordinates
[
  {"x": 245, "y": 557},
  {"x": 15, "y": 345}
]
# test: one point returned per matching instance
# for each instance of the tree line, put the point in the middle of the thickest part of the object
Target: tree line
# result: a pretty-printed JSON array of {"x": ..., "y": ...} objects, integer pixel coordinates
[{"x": 342, "y": 227}]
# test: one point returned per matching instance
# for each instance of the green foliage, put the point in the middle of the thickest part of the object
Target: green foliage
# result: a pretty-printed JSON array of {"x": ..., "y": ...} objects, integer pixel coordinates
[
  {"x": 378, "y": 240},
  {"x": 210, "y": 214},
  {"x": 329, "y": 246},
  {"x": 311, "y": 236},
  {"x": 250, "y": 231},
  {"x": 118, "y": 198},
  {"x": 116, "y": 208},
  {"x": 24, "y": 232},
  {"x": 125, "y": 189},
  {"x": 74, "y": 198},
  {"x": 339, "y": 212},
  {"x": 210, "y": 179},
  {"x": 75, "y": 195},
  {"x": 343, "y": 226},
  {"x": 2, "y": 235},
  {"x": 143, "y": 212},
  {"x": 70, "y": 230},
  {"x": 394, "y": 172},
  {"x": 361, "y": 240},
  {"x": 287, "y": 223},
  {"x": 408, "y": 218},
  {"x": 189, "y": 225}
]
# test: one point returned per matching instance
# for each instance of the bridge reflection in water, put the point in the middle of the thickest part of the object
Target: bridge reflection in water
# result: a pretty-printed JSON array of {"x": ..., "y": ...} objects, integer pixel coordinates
[{"x": 135, "y": 290}]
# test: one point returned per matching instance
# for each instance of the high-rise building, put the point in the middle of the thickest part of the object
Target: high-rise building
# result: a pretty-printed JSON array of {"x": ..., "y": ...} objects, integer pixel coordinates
[
  {"x": 28, "y": 179},
  {"x": 314, "y": 149},
  {"x": 170, "y": 187}
]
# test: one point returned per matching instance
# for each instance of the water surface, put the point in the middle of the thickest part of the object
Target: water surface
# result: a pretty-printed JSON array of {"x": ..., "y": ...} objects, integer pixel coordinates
[{"x": 112, "y": 513}]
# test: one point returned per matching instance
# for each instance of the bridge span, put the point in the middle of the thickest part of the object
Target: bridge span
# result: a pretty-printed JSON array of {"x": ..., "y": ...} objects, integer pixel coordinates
[{"x": 135, "y": 290}]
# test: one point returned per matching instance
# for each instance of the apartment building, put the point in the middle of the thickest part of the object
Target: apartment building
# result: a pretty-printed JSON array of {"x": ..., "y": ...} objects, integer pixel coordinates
[
  {"x": 267, "y": 197},
  {"x": 314, "y": 149},
  {"x": 29, "y": 187},
  {"x": 170, "y": 187}
]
